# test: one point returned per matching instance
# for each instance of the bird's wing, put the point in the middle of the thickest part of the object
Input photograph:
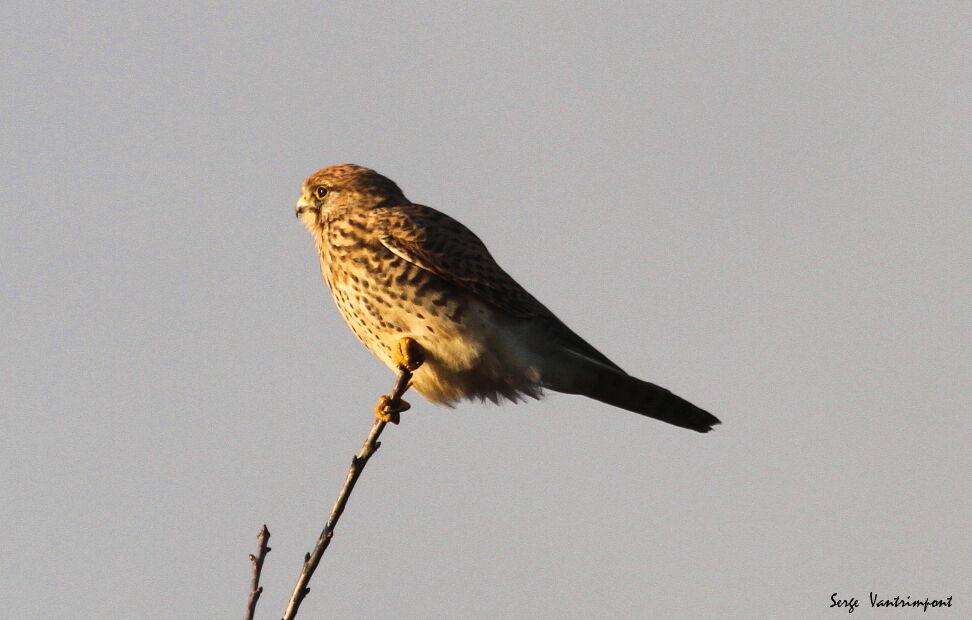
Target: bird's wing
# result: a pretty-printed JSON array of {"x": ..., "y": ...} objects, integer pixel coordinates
[{"x": 439, "y": 244}]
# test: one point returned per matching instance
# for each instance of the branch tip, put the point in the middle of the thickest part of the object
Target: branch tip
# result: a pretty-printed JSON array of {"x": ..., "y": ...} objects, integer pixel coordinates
[{"x": 257, "y": 566}]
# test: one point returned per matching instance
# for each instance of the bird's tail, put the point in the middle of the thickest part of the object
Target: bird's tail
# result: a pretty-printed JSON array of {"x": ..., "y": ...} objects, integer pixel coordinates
[{"x": 616, "y": 388}]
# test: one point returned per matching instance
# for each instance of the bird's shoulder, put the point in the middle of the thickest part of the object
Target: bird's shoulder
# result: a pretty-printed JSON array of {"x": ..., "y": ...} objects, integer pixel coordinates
[
  {"x": 442, "y": 245},
  {"x": 423, "y": 225}
]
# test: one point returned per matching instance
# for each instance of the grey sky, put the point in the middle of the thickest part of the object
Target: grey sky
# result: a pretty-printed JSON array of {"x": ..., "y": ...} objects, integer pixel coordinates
[{"x": 763, "y": 206}]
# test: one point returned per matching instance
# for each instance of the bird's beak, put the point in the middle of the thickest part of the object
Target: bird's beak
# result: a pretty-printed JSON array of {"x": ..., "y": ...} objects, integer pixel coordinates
[{"x": 302, "y": 205}]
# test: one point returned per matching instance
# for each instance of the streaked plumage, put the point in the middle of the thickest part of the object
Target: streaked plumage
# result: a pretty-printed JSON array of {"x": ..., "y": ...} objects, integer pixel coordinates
[{"x": 398, "y": 269}]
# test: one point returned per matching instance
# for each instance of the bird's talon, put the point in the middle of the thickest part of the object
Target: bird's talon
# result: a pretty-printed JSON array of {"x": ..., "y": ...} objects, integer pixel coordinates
[
  {"x": 387, "y": 413},
  {"x": 409, "y": 355}
]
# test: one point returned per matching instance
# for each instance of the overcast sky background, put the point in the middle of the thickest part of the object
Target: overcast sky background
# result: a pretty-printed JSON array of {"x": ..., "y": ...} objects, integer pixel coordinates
[{"x": 763, "y": 206}]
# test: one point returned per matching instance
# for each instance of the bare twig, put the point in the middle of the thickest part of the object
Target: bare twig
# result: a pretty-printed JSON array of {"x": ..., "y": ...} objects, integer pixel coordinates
[
  {"x": 358, "y": 462},
  {"x": 257, "y": 561}
]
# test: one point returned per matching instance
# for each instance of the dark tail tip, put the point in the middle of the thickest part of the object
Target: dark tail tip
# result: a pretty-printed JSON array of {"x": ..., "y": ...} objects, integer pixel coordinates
[
  {"x": 667, "y": 407},
  {"x": 706, "y": 423},
  {"x": 648, "y": 399}
]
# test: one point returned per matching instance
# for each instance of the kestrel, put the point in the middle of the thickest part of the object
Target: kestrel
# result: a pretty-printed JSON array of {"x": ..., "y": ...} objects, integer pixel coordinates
[{"x": 420, "y": 289}]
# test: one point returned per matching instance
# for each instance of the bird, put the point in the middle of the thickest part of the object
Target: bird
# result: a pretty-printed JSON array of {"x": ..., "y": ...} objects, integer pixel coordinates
[{"x": 423, "y": 294}]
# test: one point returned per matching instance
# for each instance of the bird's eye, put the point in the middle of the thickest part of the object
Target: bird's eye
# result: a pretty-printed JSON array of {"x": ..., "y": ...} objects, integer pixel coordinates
[{"x": 321, "y": 192}]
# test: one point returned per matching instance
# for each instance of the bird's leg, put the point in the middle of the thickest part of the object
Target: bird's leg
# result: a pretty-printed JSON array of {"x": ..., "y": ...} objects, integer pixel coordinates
[{"x": 408, "y": 357}]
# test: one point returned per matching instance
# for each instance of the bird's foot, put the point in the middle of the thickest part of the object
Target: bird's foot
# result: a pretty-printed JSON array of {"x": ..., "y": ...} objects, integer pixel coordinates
[
  {"x": 409, "y": 355},
  {"x": 386, "y": 412}
]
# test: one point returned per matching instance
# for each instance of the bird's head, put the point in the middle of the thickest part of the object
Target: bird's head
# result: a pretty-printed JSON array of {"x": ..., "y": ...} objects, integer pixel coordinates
[{"x": 344, "y": 188}]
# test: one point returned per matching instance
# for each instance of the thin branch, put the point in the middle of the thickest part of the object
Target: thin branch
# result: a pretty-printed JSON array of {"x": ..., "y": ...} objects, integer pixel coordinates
[
  {"x": 257, "y": 561},
  {"x": 358, "y": 462}
]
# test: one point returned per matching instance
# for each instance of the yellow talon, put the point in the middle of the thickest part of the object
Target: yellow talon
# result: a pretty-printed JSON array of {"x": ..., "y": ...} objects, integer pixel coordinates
[
  {"x": 409, "y": 355},
  {"x": 386, "y": 413}
]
